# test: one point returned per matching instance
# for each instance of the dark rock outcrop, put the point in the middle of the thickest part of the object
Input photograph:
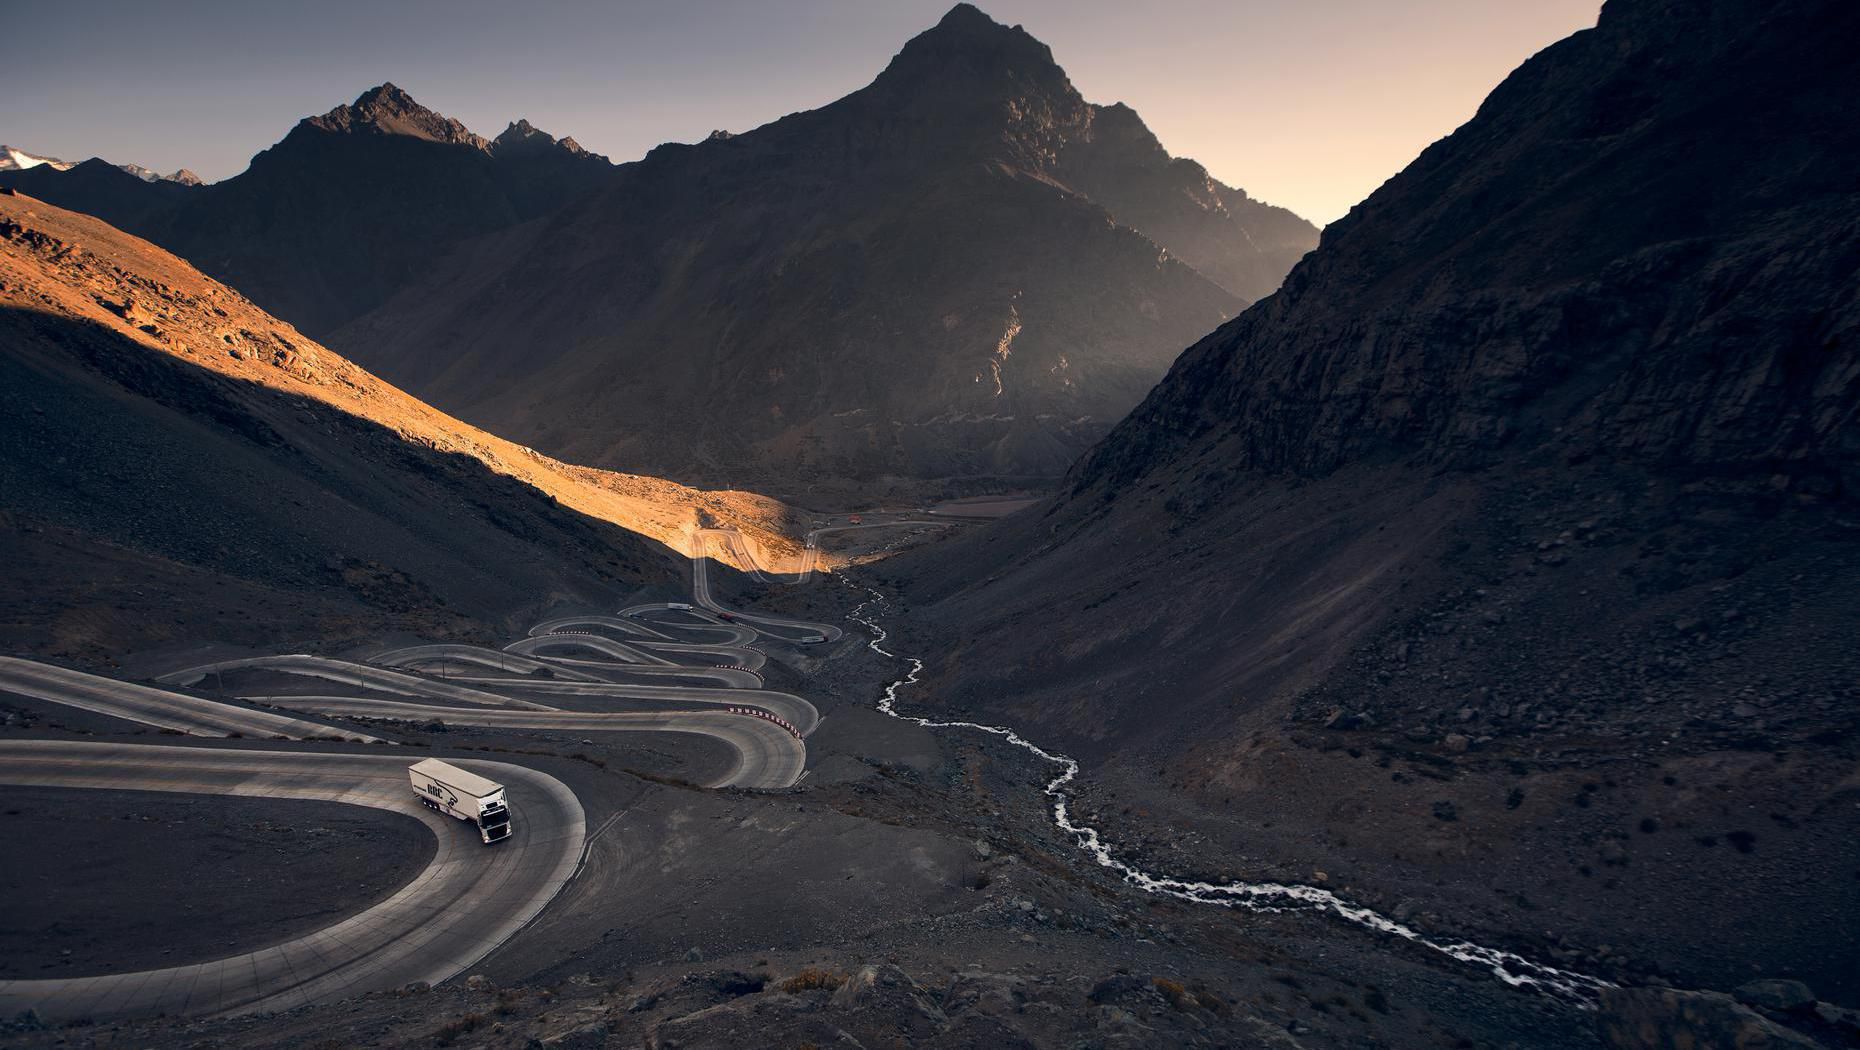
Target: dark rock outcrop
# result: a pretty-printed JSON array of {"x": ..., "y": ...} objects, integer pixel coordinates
[
  {"x": 1642, "y": 248},
  {"x": 1659, "y": 1017},
  {"x": 1547, "y": 455},
  {"x": 1781, "y": 996}
]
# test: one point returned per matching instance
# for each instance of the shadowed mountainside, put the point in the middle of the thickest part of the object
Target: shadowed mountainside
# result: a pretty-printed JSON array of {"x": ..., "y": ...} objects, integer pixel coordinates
[
  {"x": 350, "y": 207},
  {"x": 97, "y": 187},
  {"x": 180, "y": 465},
  {"x": 1535, "y": 483},
  {"x": 962, "y": 269}
]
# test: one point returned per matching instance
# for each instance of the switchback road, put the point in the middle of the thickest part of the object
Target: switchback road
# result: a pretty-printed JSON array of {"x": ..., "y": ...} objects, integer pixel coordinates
[{"x": 470, "y": 899}]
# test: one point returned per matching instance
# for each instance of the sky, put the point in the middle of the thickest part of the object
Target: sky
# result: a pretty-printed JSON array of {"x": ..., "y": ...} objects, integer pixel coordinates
[{"x": 1310, "y": 104}]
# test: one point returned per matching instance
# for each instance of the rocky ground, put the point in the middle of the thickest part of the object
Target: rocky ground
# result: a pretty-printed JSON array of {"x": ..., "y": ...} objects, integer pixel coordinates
[
  {"x": 109, "y": 881},
  {"x": 912, "y": 891}
]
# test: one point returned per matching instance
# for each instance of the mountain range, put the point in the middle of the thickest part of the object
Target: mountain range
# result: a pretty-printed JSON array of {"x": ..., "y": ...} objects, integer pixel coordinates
[
  {"x": 1473, "y": 595},
  {"x": 12, "y": 159},
  {"x": 181, "y": 465},
  {"x": 1528, "y": 497},
  {"x": 962, "y": 269}
]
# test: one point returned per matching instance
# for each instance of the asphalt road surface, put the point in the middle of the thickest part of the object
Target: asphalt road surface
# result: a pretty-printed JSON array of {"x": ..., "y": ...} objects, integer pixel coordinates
[
  {"x": 619, "y": 623},
  {"x": 768, "y": 756},
  {"x": 792, "y": 630},
  {"x": 157, "y": 707},
  {"x": 345, "y": 673},
  {"x": 515, "y": 668},
  {"x": 795, "y": 710},
  {"x": 597, "y": 643},
  {"x": 470, "y": 899},
  {"x": 421, "y": 657},
  {"x": 733, "y": 633},
  {"x": 721, "y": 655}
]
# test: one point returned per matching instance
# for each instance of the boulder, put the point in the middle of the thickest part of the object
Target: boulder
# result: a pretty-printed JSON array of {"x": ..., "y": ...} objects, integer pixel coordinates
[
  {"x": 1120, "y": 987},
  {"x": 992, "y": 993},
  {"x": 1782, "y": 996},
  {"x": 890, "y": 992},
  {"x": 1664, "y": 1017}
]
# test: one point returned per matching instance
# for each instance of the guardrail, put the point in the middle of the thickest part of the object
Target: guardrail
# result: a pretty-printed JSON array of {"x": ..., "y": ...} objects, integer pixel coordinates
[
  {"x": 756, "y": 712},
  {"x": 745, "y": 670}
]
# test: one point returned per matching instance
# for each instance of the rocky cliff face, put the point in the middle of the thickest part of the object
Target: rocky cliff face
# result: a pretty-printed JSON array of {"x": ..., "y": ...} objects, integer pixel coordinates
[
  {"x": 389, "y": 111},
  {"x": 1641, "y": 249},
  {"x": 1514, "y": 509},
  {"x": 918, "y": 279}
]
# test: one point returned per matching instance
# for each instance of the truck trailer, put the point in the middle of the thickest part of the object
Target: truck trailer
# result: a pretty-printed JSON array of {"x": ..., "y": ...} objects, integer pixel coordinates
[{"x": 467, "y": 796}]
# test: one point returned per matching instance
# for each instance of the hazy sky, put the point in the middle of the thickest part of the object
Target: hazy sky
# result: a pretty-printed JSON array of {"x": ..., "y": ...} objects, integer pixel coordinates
[{"x": 1306, "y": 103}]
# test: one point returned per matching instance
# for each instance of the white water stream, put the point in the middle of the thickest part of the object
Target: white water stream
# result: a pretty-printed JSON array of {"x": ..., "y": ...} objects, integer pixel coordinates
[{"x": 1514, "y": 970}]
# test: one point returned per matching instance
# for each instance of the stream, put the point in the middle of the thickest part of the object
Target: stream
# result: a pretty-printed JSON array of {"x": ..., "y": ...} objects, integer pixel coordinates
[{"x": 1515, "y": 970}]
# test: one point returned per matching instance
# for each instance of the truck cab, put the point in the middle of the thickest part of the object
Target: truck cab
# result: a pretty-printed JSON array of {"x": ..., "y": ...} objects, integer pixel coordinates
[{"x": 494, "y": 820}]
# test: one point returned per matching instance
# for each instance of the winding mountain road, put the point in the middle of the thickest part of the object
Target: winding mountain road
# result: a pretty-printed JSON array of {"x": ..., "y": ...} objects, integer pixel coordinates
[
  {"x": 768, "y": 757},
  {"x": 346, "y": 673},
  {"x": 700, "y": 594},
  {"x": 618, "y": 623},
  {"x": 420, "y": 657},
  {"x": 469, "y": 899},
  {"x": 517, "y": 670},
  {"x": 467, "y": 902},
  {"x": 158, "y": 707},
  {"x": 594, "y": 643},
  {"x": 795, "y": 710}
]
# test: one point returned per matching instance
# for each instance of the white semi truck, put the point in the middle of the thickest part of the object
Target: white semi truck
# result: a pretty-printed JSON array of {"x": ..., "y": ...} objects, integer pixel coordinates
[{"x": 467, "y": 796}]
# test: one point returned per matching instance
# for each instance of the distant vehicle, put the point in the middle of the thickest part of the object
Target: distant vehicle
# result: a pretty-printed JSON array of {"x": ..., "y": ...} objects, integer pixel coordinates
[
  {"x": 678, "y": 605},
  {"x": 812, "y": 639},
  {"x": 726, "y": 616},
  {"x": 467, "y": 796},
  {"x": 856, "y": 520}
]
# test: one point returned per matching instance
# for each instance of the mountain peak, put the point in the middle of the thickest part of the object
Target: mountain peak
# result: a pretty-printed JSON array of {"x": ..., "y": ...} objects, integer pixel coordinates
[
  {"x": 13, "y": 158},
  {"x": 388, "y": 110},
  {"x": 967, "y": 18},
  {"x": 522, "y": 133},
  {"x": 387, "y": 95},
  {"x": 968, "y": 46},
  {"x": 523, "y": 137}
]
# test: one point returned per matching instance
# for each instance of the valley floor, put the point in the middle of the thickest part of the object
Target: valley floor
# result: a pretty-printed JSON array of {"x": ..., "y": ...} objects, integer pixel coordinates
[{"x": 911, "y": 886}]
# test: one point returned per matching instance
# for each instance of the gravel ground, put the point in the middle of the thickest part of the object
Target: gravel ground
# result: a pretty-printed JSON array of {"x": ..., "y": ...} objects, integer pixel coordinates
[{"x": 112, "y": 881}]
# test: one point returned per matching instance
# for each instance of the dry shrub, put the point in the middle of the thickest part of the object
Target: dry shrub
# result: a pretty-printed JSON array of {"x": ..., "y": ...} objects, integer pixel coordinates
[
  {"x": 812, "y": 978},
  {"x": 453, "y": 1029},
  {"x": 1174, "y": 992},
  {"x": 1185, "y": 998}
]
